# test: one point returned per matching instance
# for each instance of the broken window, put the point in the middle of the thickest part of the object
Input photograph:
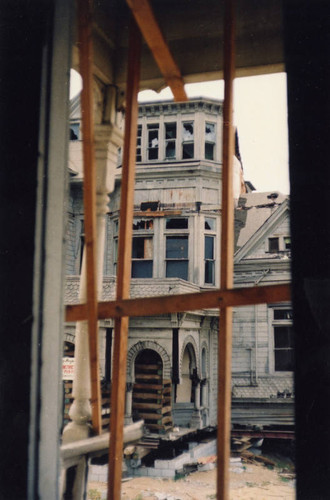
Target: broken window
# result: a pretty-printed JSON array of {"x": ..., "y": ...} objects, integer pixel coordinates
[
  {"x": 283, "y": 340},
  {"x": 170, "y": 140},
  {"x": 187, "y": 140},
  {"x": 209, "y": 224},
  {"x": 209, "y": 141},
  {"x": 139, "y": 144},
  {"x": 143, "y": 224},
  {"x": 74, "y": 131},
  {"x": 209, "y": 259},
  {"x": 142, "y": 257},
  {"x": 153, "y": 141},
  {"x": 177, "y": 257},
  {"x": 181, "y": 223},
  {"x": 273, "y": 245}
]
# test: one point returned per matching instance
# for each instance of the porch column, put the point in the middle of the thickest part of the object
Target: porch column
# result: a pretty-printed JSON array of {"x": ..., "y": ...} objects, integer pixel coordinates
[
  {"x": 197, "y": 396},
  {"x": 128, "y": 406},
  {"x": 108, "y": 138}
]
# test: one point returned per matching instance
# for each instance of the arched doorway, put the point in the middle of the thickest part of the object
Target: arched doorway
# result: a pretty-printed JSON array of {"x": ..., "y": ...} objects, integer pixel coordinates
[
  {"x": 151, "y": 392},
  {"x": 186, "y": 388}
]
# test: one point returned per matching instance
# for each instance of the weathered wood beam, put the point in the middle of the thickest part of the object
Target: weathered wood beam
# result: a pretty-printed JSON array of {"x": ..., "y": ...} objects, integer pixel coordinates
[
  {"x": 124, "y": 265},
  {"x": 132, "y": 433},
  {"x": 227, "y": 258},
  {"x": 145, "y": 18},
  {"x": 85, "y": 61},
  {"x": 165, "y": 304}
]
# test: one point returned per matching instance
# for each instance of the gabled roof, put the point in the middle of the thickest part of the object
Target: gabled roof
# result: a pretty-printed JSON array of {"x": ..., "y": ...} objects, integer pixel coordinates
[{"x": 256, "y": 217}]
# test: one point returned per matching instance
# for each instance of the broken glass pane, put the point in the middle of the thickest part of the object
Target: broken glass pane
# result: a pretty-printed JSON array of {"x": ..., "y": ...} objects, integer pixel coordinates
[
  {"x": 210, "y": 224},
  {"x": 210, "y": 132},
  {"x": 188, "y": 131}
]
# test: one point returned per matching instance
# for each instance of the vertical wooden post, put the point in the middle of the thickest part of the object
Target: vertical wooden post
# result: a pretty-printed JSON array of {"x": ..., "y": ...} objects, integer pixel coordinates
[
  {"x": 124, "y": 265},
  {"x": 85, "y": 60},
  {"x": 227, "y": 250}
]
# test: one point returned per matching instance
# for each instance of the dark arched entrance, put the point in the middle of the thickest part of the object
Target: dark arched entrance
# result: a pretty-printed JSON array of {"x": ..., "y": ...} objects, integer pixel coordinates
[{"x": 151, "y": 392}]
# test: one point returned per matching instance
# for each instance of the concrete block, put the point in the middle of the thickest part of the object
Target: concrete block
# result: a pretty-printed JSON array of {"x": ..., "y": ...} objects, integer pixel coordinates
[{"x": 161, "y": 464}]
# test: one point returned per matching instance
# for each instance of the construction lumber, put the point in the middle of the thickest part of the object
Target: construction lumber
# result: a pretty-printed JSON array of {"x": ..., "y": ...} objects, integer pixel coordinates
[
  {"x": 166, "y": 304},
  {"x": 227, "y": 259},
  {"x": 86, "y": 100},
  {"x": 145, "y": 18},
  {"x": 124, "y": 265}
]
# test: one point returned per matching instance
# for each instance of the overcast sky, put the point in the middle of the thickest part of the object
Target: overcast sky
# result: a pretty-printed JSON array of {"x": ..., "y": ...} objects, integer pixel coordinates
[{"x": 260, "y": 114}]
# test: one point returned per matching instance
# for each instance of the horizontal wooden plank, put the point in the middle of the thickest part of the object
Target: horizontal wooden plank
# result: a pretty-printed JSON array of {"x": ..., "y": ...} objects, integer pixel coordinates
[
  {"x": 150, "y": 416},
  {"x": 149, "y": 395},
  {"x": 147, "y": 406},
  {"x": 151, "y": 387},
  {"x": 148, "y": 368},
  {"x": 153, "y": 306},
  {"x": 148, "y": 376}
]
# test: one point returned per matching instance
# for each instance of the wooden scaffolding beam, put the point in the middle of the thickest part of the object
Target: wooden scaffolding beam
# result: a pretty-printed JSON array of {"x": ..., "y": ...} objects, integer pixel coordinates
[
  {"x": 85, "y": 61},
  {"x": 227, "y": 259},
  {"x": 165, "y": 304},
  {"x": 124, "y": 265},
  {"x": 145, "y": 18}
]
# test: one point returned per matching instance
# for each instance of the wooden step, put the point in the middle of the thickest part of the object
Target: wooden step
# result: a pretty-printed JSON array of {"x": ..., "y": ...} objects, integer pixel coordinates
[
  {"x": 148, "y": 367},
  {"x": 147, "y": 376},
  {"x": 154, "y": 387}
]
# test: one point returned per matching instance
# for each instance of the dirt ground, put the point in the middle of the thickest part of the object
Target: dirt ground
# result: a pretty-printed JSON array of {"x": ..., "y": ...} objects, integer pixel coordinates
[{"x": 254, "y": 482}]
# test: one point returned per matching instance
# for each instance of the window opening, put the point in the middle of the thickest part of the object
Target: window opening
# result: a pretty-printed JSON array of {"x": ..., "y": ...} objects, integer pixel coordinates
[
  {"x": 209, "y": 259},
  {"x": 139, "y": 144},
  {"x": 187, "y": 140},
  {"x": 209, "y": 141},
  {"x": 74, "y": 131},
  {"x": 177, "y": 223},
  {"x": 209, "y": 224},
  {"x": 153, "y": 141},
  {"x": 287, "y": 243},
  {"x": 142, "y": 257},
  {"x": 283, "y": 340},
  {"x": 170, "y": 140},
  {"x": 273, "y": 245},
  {"x": 177, "y": 257},
  {"x": 143, "y": 224}
]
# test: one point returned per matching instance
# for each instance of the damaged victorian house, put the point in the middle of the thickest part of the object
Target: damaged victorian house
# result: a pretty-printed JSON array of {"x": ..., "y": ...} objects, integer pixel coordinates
[
  {"x": 177, "y": 313},
  {"x": 171, "y": 366}
]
